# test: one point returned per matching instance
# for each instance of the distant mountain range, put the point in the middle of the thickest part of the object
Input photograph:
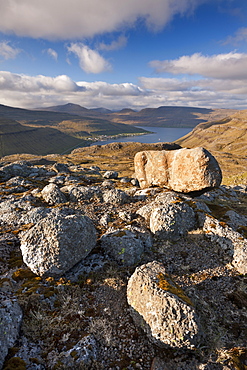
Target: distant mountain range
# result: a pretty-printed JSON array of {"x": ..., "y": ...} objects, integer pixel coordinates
[
  {"x": 45, "y": 132},
  {"x": 58, "y": 129},
  {"x": 164, "y": 116}
]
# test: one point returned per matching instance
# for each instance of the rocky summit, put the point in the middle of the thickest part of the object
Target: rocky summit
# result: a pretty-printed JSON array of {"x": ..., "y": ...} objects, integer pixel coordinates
[{"x": 101, "y": 271}]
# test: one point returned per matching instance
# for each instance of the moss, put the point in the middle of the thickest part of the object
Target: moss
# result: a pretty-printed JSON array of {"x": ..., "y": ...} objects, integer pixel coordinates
[
  {"x": 217, "y": 210},
  {"x": 15, "y": 259},
  {"x": 242, "y": 230},
  {"x": 74, "y": 354},
  {"x": 21, "y": 274},
  {"x": 49, "y": 292},
  {"x": 120, "y": 233},
  {"x": 34, "y": 360},
  {"x": 166, "y": 283},
  {"x": 15, "y": 363},
  {"x": 3, "y": 280}
]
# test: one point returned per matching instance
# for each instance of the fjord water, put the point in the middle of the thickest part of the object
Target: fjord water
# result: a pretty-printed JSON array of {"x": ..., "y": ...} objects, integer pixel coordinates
[{"x": 158, "y": 134}]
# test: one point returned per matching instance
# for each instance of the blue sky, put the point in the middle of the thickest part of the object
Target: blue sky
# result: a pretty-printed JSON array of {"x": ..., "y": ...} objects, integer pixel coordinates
[{"x": 117, "y": 54}]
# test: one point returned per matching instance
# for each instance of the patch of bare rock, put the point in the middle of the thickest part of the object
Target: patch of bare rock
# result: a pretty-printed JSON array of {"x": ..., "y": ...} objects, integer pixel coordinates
[{"x": 98, "y": 273}]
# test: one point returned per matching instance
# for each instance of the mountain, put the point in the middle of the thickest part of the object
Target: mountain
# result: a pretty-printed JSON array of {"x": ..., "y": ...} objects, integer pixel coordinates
[
  {"x": 226, "y": 139},
  {"x": 16, "y": 138},
  {"x": 164, "y": 116}
]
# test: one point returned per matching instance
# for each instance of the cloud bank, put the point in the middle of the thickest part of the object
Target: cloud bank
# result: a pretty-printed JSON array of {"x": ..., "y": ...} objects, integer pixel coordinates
[
  {"x": 42, "y": 91},
  {"x": 225, "y": 66},
  {"x": 70, "y": 19}
]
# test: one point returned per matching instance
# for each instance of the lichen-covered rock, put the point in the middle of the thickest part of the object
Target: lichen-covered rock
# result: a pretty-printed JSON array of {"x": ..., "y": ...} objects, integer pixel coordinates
[
  {"x": 232, "y": 242},
  {"x": 123, "y": 246},
  {"x": 170, "y": 217},
  {"x": 172, "y": 221},
  {"x": 182, "y": 170},
  {"x": 57, "y": 242},
  {"x": 10, "y": 321},
  {"x": 11, "y": 210},
  {"x": 81, "y": 193},
  {"x": 52, "y": 194},
  {"x": 115, "y": 196},
  {"x": 161, "y": 308}
]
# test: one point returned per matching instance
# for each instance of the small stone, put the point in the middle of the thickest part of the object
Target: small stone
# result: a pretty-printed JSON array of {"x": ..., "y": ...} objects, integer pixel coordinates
[{"x": 110, "y": 175}]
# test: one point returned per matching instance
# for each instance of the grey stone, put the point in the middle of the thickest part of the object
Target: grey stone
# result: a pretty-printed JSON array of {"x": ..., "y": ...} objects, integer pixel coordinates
[
  {"x": 110, "y": 175},
  {"x": 232, "y": 242},
  {"x": 108, "y": 184},
  {"x": 58, "y": 180},
  {"x": 12, "y": 208},
  {"x": 123, "y": 246},
  {"x": 80, "y": 356},
  {"x": 60, "y": 168},
  {"x": 162, "y": 309},
  {"x": 169, "y": 215},
  {"x": 82, "y": 193},
  {"x": 53, "y": 195},
  {"x": 57, "y": 242},
  {"x": 10, "y": 321},
  {"x": 115, "y": 196},
  {"x": 236, "y": 221}
]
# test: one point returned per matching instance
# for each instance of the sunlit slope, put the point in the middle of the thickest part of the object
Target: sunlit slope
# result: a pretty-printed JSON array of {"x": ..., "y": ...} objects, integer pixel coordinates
[{"x": 226, "y": 139}]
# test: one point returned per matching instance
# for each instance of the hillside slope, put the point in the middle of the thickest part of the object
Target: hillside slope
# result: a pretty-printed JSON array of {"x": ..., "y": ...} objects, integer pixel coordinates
[
  {"x": 16, "y": 138},
  {"x": 53, "y": 119},
  {"x": 226, "y": 139}
]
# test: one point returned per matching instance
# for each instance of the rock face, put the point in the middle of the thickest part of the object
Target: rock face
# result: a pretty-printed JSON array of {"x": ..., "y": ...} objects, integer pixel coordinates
[
  {"x": 57, "y": 243},
  {"x": 182, "y": 170},
  {"x": 10, "y": 319},
  {"x": 161, "y": 308}
]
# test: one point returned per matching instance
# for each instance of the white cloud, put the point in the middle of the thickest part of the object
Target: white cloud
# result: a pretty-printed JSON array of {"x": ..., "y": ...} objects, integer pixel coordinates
[
  {"x": 240, "y": 35},
  {"x": 106, "y": 89},
  {"x": 37, "y": 91},
  {"x": 114, "y": 45},
  {"x": 68, "y": 19},
  {"x": 90, "y": 60},
  {"x": 38, "y": 84},
  {"x": 52, "y": 53},
  {"x": 7, "y": 51},
  {"x": 225, "y": 66}
]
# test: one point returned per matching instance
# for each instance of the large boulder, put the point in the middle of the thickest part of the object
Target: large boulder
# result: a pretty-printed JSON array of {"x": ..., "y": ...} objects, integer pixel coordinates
[
  {"x": 161, "y": 308},
  {"x": 182, "y": 170},
  {"x": 10, "y": 319},
  {"x": 57, "y": 242}
]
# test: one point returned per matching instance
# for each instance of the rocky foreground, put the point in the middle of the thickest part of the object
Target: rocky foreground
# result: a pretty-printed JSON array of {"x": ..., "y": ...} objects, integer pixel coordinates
[{"x": 97, "y": 273}]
